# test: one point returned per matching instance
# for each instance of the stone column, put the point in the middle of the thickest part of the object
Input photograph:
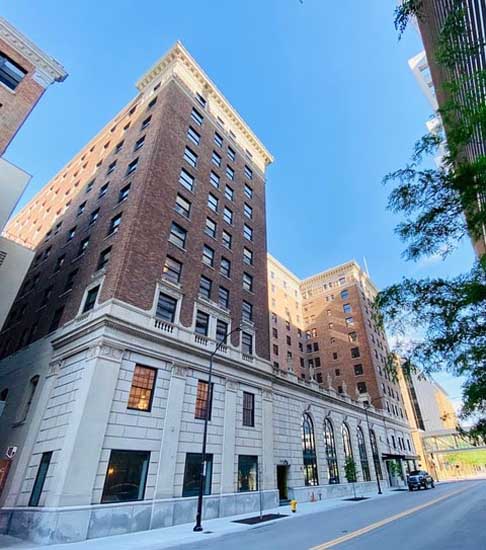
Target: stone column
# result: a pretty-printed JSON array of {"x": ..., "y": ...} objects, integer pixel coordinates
[
  {"x": 268, "y": 469},
  {"x": 229, "y": 438},
  {"x": 170, "y": 435},
  {"x": 79, "y": 457}
]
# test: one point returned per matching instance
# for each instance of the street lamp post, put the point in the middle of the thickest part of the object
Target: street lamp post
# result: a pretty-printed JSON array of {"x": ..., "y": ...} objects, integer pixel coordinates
[
  {"x": 371, "y": 443},
  {"x": 203, "y": 466}
]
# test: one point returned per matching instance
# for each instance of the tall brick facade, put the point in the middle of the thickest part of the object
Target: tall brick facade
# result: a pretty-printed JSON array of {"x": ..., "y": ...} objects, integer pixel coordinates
[
  {"x": 35, "y": 71},
  {"x": 68, "y": 222}
]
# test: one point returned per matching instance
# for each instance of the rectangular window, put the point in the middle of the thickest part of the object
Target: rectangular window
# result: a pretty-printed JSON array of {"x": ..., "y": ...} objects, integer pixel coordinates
[
  {"x": 247, "y": 256},
  {"x": 71, "y": 233},
  {"x": 210, "y": 228},
  {"x": 114, "y": 224},
  {"x": 152, "y": 103},
  {"x": 172, "y": 270},
  {"x": 11, "y": 74},
  {"x": 213, "y": 202},
  {"x": 216, "y": 158},
  {"x": 344, "y": 294},
  {"x": 247, "y": 343},
  {"x": 183, "y": 206},
  {"x": 123, "y": 194},
  {"x": 230, "y": 173},
  {"x": 354, "y": 352},
  {"x": 275, "y": 349},
  {"x": 248, "y": 409},
  {"x": 247, "y": 232},
  {"x": 186, "y": 180},
  {"x": 139, "y": 143},
  {"x": 193, "y": 136},
  {"x": 104, "y": 258},
  {"x": 190, "y": 157},
  {"x": 59, "y": 263},
  {"x": 142, "y": 388},
  {"x": 247, "y": 311},
  {"x": 126, "y": 476},
  {"x": 231, "y": 154},
  {"x": 361, "y": 387},
  {"x": 201, "y": 100},
  {"x": 146, "y": 123},
  {"x": 248, "y": 191},
  {"x": 166, "y": 308},
  {"x": 248, "y": 172},
  {"x": 70, "y": 280},
  {"x": 202, "y": 323},
  {"x": 208, "y": 255},
  {"x": 132, "y": 167},
  {"x": 91, "y": 299},
  {"x": 349, "y": 321},
  {"x": 229, "y": 193},
  {"x": 218, "y": 140},
  {"x": 347, "y": 308},
  {"x": 204, "y": 400},
  {"x": 353, "y": 337},
  {"x": 56, "y": 319},
  {"x": 214, "y": 179},
  {"x": 228, "y": 215},
  {"x": 103, "y": 190},
  {"x": 225, "y": 267},
  {"x": 94, "y": 216},
  {"x": 197, "y": 117},
  {"x": 247, "y": 473},
  {"x": 119, "y": 147},
  {"x": 83, "y": 245},
  {"x": 227, "y": 239},
  {"x": 40, "y": 478},
  {"x": 81, "y": 208},
  {"x": 358, "y": 370},
  {"x": 111, "y": 167},
  {"x": 248, "y": 211},
  {"x": 205, "y": 285},
  {"x": 178, "y": 235},
  {"x": 192, "y": 475},
  {"x": 221, "y": 331},
  {"x": 247, "y": 282},
  {"x": 223, "y": 297},
  {"x": 90, "y": 186}
]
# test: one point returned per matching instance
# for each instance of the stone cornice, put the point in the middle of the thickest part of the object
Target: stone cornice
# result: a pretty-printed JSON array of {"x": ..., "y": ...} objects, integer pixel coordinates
[
  {"x": 48, "y": 70},
  {"x": 179, "y": 56}
]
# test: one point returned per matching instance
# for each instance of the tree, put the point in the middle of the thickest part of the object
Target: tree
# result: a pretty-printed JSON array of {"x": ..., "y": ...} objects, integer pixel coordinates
[
  {"x": 442, "y": 207},
  {"x": 350, "y": 472}
]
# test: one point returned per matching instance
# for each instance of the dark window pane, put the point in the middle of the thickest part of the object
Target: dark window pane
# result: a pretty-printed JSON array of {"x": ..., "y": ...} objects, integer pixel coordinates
[
  {"x": 166, "y": 308},
  {"x": 248, "y": 409},
  {"x": 40, "y": 479},
  {"x": 126, "y": 476},
  {"x": 192, "y": 474},
  {"x": 247, "y": 473}
]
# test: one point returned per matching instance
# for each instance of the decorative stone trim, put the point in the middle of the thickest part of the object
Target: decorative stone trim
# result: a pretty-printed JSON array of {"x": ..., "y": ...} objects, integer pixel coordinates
[{"x": 48, "y": 69}]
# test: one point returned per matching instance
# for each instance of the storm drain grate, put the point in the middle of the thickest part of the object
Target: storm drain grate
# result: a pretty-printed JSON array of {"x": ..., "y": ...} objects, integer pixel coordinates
[
  {"x": 258, "y": 519},
  {"x": 355, "y": 499}
]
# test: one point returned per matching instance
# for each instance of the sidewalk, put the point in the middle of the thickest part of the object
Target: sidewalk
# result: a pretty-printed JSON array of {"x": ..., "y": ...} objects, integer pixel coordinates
[{"x": 170, "y": 537}]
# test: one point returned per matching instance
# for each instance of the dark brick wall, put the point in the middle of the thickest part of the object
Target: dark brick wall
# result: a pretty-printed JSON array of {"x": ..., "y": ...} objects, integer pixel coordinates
[
  {"x": 141, "y": 244},
  {"x": 15, "y": 106}
]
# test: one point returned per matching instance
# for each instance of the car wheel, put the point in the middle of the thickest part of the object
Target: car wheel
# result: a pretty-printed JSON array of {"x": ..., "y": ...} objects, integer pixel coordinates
[{"x": 432, "y": 485}]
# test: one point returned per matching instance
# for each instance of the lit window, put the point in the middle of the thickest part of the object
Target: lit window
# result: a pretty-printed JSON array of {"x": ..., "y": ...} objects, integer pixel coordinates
[
  {"x": 204, "y": 398},
  {"x": 142, "y": 388}
]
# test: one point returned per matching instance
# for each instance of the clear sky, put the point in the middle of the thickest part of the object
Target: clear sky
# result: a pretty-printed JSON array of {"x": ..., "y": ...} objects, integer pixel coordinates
[{"x": 325, "y": 85}]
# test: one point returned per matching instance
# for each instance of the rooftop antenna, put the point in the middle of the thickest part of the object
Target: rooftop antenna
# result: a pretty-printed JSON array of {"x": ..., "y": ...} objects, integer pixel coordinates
[{"x": 366, "y": 266}]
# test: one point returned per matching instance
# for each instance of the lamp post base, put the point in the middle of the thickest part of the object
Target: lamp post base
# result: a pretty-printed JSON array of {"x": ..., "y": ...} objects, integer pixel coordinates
[{"x": 197, "y": 528}]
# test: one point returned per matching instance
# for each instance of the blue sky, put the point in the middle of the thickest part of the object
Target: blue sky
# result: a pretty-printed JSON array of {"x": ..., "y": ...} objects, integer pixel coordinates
[{"x": 325, "y": 85}]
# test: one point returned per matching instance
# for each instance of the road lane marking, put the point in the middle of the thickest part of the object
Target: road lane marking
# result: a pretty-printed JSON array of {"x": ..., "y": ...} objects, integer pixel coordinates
[{"x": 381, "y": 523}]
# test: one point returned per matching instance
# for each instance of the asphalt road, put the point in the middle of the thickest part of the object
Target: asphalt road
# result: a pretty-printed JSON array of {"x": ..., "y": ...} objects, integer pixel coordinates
[{"x": 451, "y": 516}]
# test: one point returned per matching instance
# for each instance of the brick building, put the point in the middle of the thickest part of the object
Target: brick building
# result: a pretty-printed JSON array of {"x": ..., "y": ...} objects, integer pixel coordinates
[
  {"x": 322, "y": 327},
  {"x": 150, "y": 247},
  {"x": 25, "y": 73}
]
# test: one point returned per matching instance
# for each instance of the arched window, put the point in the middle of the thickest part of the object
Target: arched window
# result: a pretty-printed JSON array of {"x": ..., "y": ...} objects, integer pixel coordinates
[
  {"x": 332, "y": 464},
  {"x": 376, "y": 456},
  {"x": 348, "y": 450},
  {"x": 30, "y": 396},
  {"x": 309, "y": 451},
  {"x": 363, "y": 455}
]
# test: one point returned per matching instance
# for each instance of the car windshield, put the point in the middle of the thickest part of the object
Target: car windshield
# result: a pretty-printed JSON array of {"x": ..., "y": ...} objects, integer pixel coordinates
[{"x": 415, "y": 473}]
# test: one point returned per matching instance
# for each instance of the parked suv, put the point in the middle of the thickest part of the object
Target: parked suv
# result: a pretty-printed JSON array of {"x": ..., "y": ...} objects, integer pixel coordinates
[{"x": 418, "y": 479}]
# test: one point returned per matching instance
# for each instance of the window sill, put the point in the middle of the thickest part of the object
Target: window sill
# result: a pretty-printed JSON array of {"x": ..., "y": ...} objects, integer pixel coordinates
[
  {"x": 65, "y": 293},
  {"x": 78, "y": 257},
  {"x": 178, "y": 246},
  {"x": 8, "y": 89}
]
